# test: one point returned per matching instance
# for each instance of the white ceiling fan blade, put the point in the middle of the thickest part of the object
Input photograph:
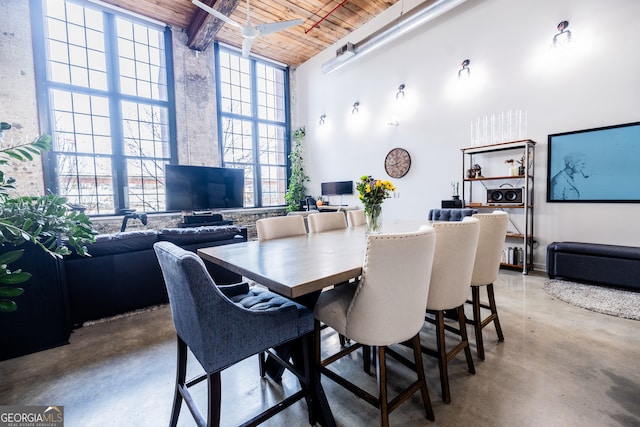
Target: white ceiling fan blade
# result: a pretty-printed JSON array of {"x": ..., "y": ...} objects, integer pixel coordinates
[
  {"x": 216, "y": 13},
  {"x": 246, "y": 47},
  {"x": 266, "y": 29}
]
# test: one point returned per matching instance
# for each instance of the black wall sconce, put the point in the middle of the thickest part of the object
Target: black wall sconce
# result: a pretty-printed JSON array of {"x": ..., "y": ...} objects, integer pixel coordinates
[
  {"x": 564, "y": 36},
  {"x": 465, "y": 71}
]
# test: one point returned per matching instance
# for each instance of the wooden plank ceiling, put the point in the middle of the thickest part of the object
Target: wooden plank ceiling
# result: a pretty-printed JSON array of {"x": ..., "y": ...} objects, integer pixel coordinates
[{"x": 291, "y": 47}]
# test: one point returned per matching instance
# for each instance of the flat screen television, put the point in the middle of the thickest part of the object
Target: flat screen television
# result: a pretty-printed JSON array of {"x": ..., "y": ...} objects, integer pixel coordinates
[
  {"x": 200, "y": 188},
  {"x": 337, "y": 188},
  {"x": 597, "y": 165}
]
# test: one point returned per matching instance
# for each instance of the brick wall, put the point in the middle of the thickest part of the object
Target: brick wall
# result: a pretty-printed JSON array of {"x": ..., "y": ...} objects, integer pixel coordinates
[{"x": 18, "y": 92}]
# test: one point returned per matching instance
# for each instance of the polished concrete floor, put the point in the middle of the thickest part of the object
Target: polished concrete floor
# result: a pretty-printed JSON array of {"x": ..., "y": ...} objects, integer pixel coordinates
[{"x": 559, "y": 366}]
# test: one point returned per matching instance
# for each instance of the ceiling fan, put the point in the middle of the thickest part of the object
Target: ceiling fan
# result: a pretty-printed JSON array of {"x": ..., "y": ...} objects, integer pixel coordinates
[{"x": 248, "y": 31}]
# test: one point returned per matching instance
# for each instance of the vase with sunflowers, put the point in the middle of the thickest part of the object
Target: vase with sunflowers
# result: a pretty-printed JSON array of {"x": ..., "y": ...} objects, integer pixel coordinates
[{"x": 372, "y": 194}]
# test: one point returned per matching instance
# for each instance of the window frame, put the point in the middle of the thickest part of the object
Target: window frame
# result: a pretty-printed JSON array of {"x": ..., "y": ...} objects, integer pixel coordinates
[
  {"x": 115, "y": 96},
  {"x": 255, "y": 122}
]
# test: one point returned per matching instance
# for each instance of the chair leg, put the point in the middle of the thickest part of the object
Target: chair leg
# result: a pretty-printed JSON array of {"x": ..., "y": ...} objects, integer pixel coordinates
[
  {"x": 381, "y": 374},
  {"x": 426, "y": 400},
  {"x": 181, "y": 374},
  {"x": 465, "y": 340},
  {"x": 261, "y": 362},
  {"x": 477, "y": 326},
  {"x": 442, "y": 357},
  {"x": 366, "y": 359},
  {"x": 215, "y": 394},
  {"x": 478, "y": 322},
  {"x": 494, "y": 311}
]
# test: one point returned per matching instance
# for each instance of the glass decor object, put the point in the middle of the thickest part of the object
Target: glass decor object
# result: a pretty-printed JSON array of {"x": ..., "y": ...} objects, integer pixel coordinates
[{"x": 373, "y": 219}]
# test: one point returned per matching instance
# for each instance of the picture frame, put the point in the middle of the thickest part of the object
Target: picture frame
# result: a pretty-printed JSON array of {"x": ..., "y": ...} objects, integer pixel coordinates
[{"x": 599, "y": 165}]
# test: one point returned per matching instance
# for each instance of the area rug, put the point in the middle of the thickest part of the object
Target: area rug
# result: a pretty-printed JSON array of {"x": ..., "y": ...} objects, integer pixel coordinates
[
  {"x": 127, "y": 314},
  {"x": 601, "y": 299}
]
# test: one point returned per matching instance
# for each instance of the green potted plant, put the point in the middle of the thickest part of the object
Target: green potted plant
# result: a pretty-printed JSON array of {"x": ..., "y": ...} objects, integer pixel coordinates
[
  {"x": 43, "y": 221},
  {"x": 297, "y": 189}
]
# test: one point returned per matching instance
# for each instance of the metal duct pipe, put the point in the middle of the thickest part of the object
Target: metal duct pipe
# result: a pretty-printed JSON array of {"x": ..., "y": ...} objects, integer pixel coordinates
[{"x": 405, "y": 23}]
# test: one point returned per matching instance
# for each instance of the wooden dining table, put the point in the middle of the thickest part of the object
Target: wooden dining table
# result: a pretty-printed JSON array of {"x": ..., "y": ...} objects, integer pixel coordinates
[
  {"x": 295, "y": 266},
  {"x": 299, "y": 267}
]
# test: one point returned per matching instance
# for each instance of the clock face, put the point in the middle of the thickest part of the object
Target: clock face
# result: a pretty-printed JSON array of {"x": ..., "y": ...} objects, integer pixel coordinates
[{"x": 397, "y": 163}]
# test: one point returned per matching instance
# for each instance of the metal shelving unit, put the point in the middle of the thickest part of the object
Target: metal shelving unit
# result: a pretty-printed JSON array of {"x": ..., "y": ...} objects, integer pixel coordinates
[{"x": 478, "y": 200}]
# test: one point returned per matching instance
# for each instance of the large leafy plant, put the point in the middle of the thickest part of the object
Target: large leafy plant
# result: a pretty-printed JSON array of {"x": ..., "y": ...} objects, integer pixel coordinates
[
  {"x": 297, "y": 190},
  {"x": 41, "y": 220}
]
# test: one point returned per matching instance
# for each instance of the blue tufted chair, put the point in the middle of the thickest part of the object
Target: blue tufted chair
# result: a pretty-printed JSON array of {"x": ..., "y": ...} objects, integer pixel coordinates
[
  {"x": 223, "y": 325},
  {"x": 450, "y": 214}
]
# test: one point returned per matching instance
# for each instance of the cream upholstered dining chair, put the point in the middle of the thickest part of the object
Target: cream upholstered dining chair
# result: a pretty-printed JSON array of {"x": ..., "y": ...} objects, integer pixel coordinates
[
  {"x": 493, "y": 230},
  {"x": 326, "y": 221},
  {"x": 456, "y": 244},
  {"x": 355, "y": 217},
  {"x": 280, "y": 226},
  {"x": 384, "y": 307},
  {"x": 277, "y": 227}
]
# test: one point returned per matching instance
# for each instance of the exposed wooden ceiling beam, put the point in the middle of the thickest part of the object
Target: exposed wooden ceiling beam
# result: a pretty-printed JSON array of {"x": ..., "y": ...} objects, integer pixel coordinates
[{"x": 203, "y": 27}]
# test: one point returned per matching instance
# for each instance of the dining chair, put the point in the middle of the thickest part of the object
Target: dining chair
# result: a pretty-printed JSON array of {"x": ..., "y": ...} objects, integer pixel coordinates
[
  {"x": 326, "y": 221},
  {"x": 453, "y": 214},
  {"x": 280, "y": 226},
  {"x": 355, "y": 217},
  {"x": 493, "y": 230},
  {"x": 384, "y": 307},
  {"x": 277, "y": 227},
  {"x": 222, "y": 325},
  {"x": 455, "y": 251}
]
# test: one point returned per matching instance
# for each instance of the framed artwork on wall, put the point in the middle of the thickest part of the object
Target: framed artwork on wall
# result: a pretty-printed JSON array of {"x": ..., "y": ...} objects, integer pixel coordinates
[{"x": 600, "y": 165}]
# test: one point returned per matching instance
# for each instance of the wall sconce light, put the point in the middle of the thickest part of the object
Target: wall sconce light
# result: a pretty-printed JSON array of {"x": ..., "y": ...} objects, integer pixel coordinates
[
  {"x": 564, "y": 36},
  {"x": 322, "y": 118},
  {"x": 465, "y": 71},
  {"x": 400, "y": 93},
  {"x": 356, "y": 108}
]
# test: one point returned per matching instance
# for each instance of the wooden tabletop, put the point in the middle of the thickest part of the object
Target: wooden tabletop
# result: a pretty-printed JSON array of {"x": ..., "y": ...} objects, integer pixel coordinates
[{"x": 296, "y": 266}]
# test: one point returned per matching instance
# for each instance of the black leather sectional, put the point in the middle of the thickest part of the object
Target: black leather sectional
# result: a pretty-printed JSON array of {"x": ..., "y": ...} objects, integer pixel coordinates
[{"x": 121, "y": 275}]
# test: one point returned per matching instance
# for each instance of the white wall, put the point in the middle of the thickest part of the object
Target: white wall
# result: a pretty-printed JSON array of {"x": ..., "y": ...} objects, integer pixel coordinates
[{"x": 593, "y": 83}]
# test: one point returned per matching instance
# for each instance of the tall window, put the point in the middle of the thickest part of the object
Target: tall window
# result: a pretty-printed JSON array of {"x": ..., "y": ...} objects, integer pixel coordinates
[
  {"x": 105, "y": 87},
  {"x": 253, "y": 118}
]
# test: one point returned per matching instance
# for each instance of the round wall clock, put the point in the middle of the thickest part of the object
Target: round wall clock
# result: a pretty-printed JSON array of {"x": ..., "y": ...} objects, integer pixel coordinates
[{"x": 397, "y": 162}]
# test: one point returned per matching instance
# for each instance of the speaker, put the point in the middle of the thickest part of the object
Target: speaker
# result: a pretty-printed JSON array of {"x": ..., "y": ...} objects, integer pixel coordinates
[{"x": 503, "y": 196}]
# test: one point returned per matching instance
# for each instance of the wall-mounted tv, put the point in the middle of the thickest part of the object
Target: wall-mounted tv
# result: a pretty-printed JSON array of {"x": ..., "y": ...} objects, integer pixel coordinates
[
  {"x": 597, "y": 165},
  {"x": 337, "y": 188},
  {"x": 199, "y": 188}
]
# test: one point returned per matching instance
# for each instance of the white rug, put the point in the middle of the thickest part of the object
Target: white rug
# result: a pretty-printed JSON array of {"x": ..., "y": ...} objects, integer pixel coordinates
[
  {"x": 127, "y": 314},
  {"x": 602, "y": 299}
]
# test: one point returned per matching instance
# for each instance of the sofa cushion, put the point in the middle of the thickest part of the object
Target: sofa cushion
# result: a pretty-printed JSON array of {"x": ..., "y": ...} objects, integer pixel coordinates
[
  {"x": 197, "y": 235},
  {"x": 128, "y": 241}
]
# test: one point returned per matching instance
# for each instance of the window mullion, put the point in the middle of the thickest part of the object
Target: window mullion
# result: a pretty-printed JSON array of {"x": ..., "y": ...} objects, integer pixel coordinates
[
  {"x": 118, "y": 163},
  {"x": 257, "y": 175}
]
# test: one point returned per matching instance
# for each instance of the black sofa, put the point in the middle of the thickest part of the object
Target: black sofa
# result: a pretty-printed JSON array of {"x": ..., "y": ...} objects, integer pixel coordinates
[
  {"x": 610, "y": 265},
  {"x": 121, "y": 275}
]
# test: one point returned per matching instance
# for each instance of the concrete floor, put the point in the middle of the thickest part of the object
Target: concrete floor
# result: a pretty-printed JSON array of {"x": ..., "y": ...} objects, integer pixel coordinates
[{"x": 559, "y": 366}]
